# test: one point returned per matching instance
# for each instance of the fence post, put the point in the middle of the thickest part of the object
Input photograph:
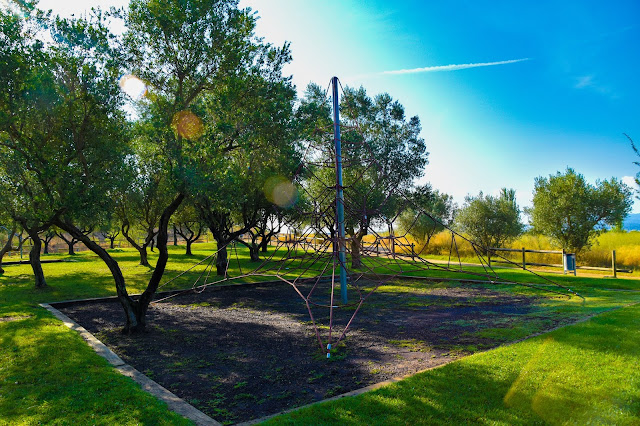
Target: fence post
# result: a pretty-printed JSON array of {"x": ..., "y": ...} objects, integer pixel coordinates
[
  {"x": 524, "y": 262},
  {"x": 613, "y": 264},
  {"x": 564, "y": 270}
]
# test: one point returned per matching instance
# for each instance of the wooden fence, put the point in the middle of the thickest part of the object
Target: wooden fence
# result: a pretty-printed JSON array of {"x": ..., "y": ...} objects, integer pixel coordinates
[{"x": 614, "y": 269}]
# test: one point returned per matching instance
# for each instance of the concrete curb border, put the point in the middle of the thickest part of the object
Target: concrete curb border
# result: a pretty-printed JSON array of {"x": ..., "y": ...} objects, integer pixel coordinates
[{"x": 174, "y": 403}]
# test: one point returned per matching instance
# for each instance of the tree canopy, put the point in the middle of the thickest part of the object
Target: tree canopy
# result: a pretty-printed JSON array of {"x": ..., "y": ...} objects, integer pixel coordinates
[
  {"x": 383, "y": 154},
  {"x": 62, "y": 132},
  {"x": 490, "y": 221},
  {"x": 424, "y": 199},
  {"x": 572, "y": 212}
]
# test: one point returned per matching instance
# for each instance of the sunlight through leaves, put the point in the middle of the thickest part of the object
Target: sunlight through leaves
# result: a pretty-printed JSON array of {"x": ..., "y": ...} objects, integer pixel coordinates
[
  {"x": 187, "y": 125},
  {"x": 133, "y": 86}
]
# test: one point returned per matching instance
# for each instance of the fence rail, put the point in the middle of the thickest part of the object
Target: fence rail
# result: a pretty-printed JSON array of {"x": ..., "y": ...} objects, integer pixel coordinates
[
  {"x": 382, "y": 246},
  {"x": 614, "y": 269}
]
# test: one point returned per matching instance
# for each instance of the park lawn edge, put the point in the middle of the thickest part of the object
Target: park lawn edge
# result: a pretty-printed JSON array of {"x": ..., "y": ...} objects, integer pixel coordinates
[
  {"x": 33, "y": 341},
  {"x": 48, "y": 374},
  {"x": 582, "y": 373}
]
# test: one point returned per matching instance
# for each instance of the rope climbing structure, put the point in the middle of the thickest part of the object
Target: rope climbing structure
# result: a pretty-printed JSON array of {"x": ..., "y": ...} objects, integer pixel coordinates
[{"x": 342, "y": 243}]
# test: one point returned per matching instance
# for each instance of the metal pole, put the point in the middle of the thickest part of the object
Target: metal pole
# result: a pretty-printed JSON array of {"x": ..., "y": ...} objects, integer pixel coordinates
[{"x": 339, "y": 194}]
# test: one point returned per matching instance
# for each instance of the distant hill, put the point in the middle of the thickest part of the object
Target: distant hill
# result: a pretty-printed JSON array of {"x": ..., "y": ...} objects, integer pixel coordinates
[{"x": 632, "y": 222}]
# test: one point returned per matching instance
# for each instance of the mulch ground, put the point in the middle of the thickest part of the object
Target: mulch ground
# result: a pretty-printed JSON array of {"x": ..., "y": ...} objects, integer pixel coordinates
[{"x": 241, "y": 353}]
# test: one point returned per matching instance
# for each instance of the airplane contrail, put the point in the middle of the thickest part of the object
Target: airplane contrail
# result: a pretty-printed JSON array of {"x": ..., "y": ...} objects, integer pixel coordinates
[{"x": 454, "y": 67}]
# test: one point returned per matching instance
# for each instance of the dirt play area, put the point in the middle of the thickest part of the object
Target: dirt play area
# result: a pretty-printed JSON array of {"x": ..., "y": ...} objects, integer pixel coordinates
[{"x": 244, "y": 352}]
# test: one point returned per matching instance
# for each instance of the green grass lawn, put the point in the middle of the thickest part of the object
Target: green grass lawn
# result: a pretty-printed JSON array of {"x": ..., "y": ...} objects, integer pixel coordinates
[
  {"x": 587, "y": 371},
  {"x": 582, "y": 374}
]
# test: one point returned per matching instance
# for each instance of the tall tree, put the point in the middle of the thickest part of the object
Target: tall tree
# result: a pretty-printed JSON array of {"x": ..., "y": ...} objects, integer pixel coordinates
[
  {"x": 44, "y": 107},
  {"x": 255, "y": 140},
  {"x": 573, "y": 212},
  {"x": 62, "y": 136},
  {"x": 183, "y": 51},
  {"x": 383, "y": 155},
  {"x": 490, "y": 221},
  {"x": 424, "y": 199}
]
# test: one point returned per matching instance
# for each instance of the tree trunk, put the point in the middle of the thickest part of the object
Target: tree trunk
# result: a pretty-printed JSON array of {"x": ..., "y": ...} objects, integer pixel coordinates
[
  {"x": 127, "y": 303},
  {"x": 142, "y": 250},
  {"x": 7, "y": 246},
  {"x": 135, "y": 311},
  {"x": 144, "y": 258},
  {"x": 175, "y": 236},
  {"x": 356, "y": 259},
  {"x": 163, "y": 256},
  {"x": 46, "y": 246},
  {"x": 188, "y": 253},
  {"x": 263, "y": 245},
  {"x": 221, "y": 260},
  {"x": 153, "y": 242},
  {"x": 254, "y": 253},
  {"x": 71, "y": 248},
  {"x": 112, "y": 241},
  {"x": 34, "y": 258}
]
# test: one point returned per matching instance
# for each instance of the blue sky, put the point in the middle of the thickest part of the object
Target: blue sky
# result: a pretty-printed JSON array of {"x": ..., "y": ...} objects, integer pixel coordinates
[{"x": 486, "y": 127}]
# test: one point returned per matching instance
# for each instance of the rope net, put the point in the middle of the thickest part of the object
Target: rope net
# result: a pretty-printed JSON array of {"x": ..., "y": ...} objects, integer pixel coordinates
[{"x": 377, "y": 252}]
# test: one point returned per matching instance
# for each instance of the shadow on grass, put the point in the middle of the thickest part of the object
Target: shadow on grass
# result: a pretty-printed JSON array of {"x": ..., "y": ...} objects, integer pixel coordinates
[
  {"x": 547, "y": 380},
  {"x": 50, "y": 375}
]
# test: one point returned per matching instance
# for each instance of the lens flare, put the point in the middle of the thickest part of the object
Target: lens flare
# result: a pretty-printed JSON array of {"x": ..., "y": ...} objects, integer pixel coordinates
[
  {"x": 280, "y": 191},
  {"x": 133, "y": 86},
  {"x": 188, "y": 125}
]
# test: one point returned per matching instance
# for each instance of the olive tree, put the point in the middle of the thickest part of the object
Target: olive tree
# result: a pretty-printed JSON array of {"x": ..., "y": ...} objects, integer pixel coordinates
[
  {"x": 188, "y": 224},
  {"x": 424, "y": 204},
  {"x": 490, "y": 221},
  {"x": 383, "y": 154},
  {"x": 255, "y": 140},
  {"x": 181, "y": 50},
  {"x": 61, "y": 131},
  {"x": 573, "y": 212}
]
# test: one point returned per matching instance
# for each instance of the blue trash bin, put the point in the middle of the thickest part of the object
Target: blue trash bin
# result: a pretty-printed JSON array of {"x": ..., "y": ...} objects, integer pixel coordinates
[{"x": 569, "y": 262}]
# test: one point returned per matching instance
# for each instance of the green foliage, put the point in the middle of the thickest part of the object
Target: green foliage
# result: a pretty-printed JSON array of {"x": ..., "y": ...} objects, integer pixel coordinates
[
  {"x": 62, "y": 135},
  {"x": 423, "y": 199},
  {"x": 573, "y": 212},
  {"x": 490, "y": 221},
  {"x": 382, "y": 155}
]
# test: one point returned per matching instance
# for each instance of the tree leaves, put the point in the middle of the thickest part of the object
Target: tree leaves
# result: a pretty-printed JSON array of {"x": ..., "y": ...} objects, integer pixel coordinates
[{"x": 573, "y": 212}]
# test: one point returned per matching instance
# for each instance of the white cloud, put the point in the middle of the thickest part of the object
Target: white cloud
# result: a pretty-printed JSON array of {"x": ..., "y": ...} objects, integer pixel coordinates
[
  {"x": 584, "y": 81},
  {"x": 630, "y": 181},
  {"x": 454, "y": 67}
]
